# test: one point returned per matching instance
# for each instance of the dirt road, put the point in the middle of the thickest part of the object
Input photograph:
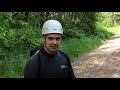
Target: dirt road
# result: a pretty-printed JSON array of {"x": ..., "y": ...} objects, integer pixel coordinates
[{"x": 103, "y": 62}]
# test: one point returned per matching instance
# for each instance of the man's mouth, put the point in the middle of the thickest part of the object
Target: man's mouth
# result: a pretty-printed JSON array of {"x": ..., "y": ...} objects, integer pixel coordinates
[{"x": 54, "y": 46}]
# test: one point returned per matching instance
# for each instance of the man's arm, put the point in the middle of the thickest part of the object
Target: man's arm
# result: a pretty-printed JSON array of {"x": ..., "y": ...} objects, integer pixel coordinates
[
  {"x": 70, "y": 69},
  {"x": 31, "y": 68}
]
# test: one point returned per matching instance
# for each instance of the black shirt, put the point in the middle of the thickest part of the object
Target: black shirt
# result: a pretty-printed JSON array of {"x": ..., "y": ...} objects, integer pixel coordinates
[{"x": 45, "y": 65}]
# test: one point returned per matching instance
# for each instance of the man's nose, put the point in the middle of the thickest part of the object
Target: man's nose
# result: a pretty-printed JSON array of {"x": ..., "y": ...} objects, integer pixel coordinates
[{"x": 54, "y": 41}]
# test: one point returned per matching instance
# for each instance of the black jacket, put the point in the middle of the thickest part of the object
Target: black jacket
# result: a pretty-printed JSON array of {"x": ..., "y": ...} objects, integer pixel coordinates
[{"x": 45, "y": 65}]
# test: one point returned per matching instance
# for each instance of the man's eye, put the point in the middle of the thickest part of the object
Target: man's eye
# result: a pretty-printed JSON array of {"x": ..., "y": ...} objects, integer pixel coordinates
[
  {"x": 58, "y": 38},
  {"x": 50, "y": 38}
]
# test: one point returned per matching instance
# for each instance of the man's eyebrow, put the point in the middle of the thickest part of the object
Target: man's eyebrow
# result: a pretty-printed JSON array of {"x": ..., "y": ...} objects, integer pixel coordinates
[{"x": 54, "y": 37}]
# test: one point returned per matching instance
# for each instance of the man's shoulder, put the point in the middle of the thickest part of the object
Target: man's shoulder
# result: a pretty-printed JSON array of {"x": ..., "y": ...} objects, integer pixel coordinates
[
  {"x": 64, "y": 54},
  {"x": 33, "y": 60},
  {"x": 61, "y": 52},
  {"x": 34, "y": 57}
]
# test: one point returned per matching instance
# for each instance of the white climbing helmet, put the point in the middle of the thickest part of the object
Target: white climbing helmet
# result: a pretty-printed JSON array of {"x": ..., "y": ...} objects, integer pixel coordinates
[{"x": 52, "y": 26}]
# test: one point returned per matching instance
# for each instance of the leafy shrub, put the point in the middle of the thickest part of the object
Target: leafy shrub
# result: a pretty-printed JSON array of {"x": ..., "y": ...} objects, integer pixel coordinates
[
  {"x": 23, "y": 38},
  {"x": 73, "y": 33}
]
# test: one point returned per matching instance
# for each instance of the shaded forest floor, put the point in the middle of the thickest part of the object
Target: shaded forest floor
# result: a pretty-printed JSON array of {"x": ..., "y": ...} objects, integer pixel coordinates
[{"x": 103, "y": 62}]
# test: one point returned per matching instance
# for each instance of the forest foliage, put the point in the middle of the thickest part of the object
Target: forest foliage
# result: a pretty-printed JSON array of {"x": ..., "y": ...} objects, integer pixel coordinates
[{"x": 22, "y": 30}]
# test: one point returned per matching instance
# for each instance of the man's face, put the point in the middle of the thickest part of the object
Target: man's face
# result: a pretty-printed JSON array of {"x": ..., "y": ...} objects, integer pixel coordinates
[{"x": 52, "y": 42}]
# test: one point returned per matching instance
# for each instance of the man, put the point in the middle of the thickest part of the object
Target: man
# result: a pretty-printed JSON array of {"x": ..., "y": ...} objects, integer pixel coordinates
[{"x": 49, "y": 62}]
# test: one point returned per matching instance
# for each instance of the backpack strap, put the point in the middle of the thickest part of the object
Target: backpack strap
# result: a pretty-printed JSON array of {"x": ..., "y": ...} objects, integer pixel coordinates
[
  {"x": 37, "y": 51},
  {"x": 33, "y": 50},
  {"x": 64, "y": 56},
  {"x": 39, "y": 62}
]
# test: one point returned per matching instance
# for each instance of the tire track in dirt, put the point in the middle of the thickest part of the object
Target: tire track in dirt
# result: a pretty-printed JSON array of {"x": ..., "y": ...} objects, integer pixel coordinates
[{"x": 103, "y": 62}]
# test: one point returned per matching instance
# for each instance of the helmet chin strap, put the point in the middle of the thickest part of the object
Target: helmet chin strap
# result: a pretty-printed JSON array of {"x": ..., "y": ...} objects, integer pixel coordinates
[{"x": 45, "y": 43}]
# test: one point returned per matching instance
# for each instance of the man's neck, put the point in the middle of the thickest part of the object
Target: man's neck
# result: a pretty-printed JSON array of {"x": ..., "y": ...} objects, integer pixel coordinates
[{"x": 50, "y": 52}]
